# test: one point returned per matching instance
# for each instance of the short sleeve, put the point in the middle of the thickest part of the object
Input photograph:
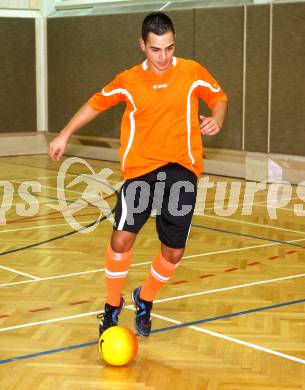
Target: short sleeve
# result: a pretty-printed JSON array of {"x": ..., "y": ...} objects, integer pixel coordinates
[
  {"x": 109, "y": 96},
  {"x": 208, "y": 88}
]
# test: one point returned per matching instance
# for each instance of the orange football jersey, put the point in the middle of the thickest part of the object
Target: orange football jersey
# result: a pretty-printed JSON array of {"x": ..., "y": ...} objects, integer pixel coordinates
[{"x": 160, "y": 124}]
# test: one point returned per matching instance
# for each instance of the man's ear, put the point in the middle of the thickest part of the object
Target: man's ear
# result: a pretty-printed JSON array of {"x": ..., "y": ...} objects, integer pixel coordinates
[{"x": 142, "y": 44}]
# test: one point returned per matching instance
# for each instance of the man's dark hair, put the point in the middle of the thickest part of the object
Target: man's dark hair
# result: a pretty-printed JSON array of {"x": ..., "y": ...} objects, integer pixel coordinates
[{"x": 157, "y": 23}]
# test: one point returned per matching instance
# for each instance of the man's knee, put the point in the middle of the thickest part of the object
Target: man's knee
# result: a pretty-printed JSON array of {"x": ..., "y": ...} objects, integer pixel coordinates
[
  {"x": 172, "y": 255},
  {"x": 122, "y": 241}
]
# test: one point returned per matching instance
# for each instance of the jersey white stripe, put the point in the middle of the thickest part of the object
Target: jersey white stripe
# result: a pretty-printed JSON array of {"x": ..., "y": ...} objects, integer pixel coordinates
[
  {"x": 131, "y": 118},
  {"x": 158, "y": 276},
  {"x": 195, "y": 84},
  {"x": 124, "y": 212},
  {"x": 115, "y": 275}
]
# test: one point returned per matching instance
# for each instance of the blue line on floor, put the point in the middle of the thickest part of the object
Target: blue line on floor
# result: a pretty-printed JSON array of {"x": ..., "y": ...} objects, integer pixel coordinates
[
  {"x": 247, "y": 235},
  {"x": 183, "y": 325},
  {"x": 225, "y": 316}
]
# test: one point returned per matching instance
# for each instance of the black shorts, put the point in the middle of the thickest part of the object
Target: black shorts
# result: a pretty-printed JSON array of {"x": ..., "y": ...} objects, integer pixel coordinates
[{"x": 171, "y": 190}]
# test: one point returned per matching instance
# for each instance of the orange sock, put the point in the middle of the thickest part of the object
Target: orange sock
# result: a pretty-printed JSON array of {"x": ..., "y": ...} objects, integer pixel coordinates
[
  {"x": 116, "y": 269},
  {"x": 160, "y": 272}
]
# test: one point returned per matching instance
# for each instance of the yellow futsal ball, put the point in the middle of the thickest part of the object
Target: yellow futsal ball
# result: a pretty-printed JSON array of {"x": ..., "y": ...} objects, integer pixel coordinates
[{"x": 118, "y": 345}]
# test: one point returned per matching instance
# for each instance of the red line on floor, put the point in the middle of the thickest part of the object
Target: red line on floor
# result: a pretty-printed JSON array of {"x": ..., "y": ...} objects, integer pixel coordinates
[
  {"x": 179, "y": 282},
  {"x": 273, "y": 257},
  {"x": 206, "y": 276},
  {"x": 78, "y": 302},
  {"x": 41, "y": 309},
  {"x": 4, "y": 315},
  {"x": 231, "y": 269},
  {"x": 173, "y": 283}
]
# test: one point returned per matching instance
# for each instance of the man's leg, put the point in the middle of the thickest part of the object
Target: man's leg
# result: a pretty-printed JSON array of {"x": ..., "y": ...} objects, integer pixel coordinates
[
  {"x": 173, "y": 226},
  {"x": 162, "y": 269},
  {"x": 130, "y": 216},
  {"x": 117, "y": 262}
]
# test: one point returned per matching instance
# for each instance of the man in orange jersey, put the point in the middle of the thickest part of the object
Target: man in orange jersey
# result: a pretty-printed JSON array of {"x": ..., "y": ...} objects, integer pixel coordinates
[{"x": 161, "y": 159}]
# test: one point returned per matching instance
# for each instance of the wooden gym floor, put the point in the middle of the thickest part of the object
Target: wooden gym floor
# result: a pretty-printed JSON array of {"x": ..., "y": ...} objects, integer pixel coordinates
[{"x": 232, "y": 317}]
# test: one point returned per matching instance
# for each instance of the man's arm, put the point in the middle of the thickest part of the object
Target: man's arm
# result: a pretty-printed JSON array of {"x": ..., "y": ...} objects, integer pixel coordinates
[
  {"x": 83, "y": 116},
  {"x": 212, "y": 125}
]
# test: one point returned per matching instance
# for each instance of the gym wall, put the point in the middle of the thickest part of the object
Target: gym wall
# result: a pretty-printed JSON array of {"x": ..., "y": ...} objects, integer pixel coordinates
[
  {"x": 236, "y": 44},
  {"x": 17, "y": 75}
]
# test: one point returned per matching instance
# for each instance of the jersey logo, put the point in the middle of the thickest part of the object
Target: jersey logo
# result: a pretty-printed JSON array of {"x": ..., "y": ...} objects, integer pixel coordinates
[{"x": 157, "y": 86}]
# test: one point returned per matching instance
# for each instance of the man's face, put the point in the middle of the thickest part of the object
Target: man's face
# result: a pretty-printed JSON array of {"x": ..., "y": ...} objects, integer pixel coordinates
[{"x": 159, "y": 50}]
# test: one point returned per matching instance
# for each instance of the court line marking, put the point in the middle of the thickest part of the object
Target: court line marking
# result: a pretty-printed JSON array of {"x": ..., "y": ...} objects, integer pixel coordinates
[
  {"x": 46, "y": 217},
  {"x": 210, "y": 216},
  {"x": 258, "y": 203},
  {"x": 179, "y": 324},
  {"x": 209, "y": 208},
  {"x": 66, "y": 158},
  {"x": 251, "y": 223},
  {"x": 50, "y": 351},
  {"x": 52, "y": 320},
  {"x": 279, "y": 208},
  {"x": 252, "y": 236},
  {"x": 75, "y": 205},
  {"x": 32, "y": 178},
  {"x": 231, "y": 315},
  {"x": 43, "y": 226},
  {"x": 38, "y": 201},
  {"x": 59, "y": 319},
  {"x": 216, "y": 290},
  {"x": 197, "y": 209},
  {"x": 145, "y": 263},
  {"x": 117, "y": 172},
  {"x": 19, "y": 272},
  {"x": 67, "y": 275},
  {"x": 178, "y": 282},
  {"x": 53, "y": 188},
  {"x": 66, "y": 189},
  {"x": 240, "y": 249},
  {"x": 85, "y": 222},
  {"x": 234, "y": 340}
]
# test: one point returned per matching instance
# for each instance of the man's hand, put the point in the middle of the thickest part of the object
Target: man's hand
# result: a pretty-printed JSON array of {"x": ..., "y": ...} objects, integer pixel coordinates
[
  {"x": 208, "y": 125},
  {"x": 83, "y": 116},
  {"x": 57, "y": 147}
]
